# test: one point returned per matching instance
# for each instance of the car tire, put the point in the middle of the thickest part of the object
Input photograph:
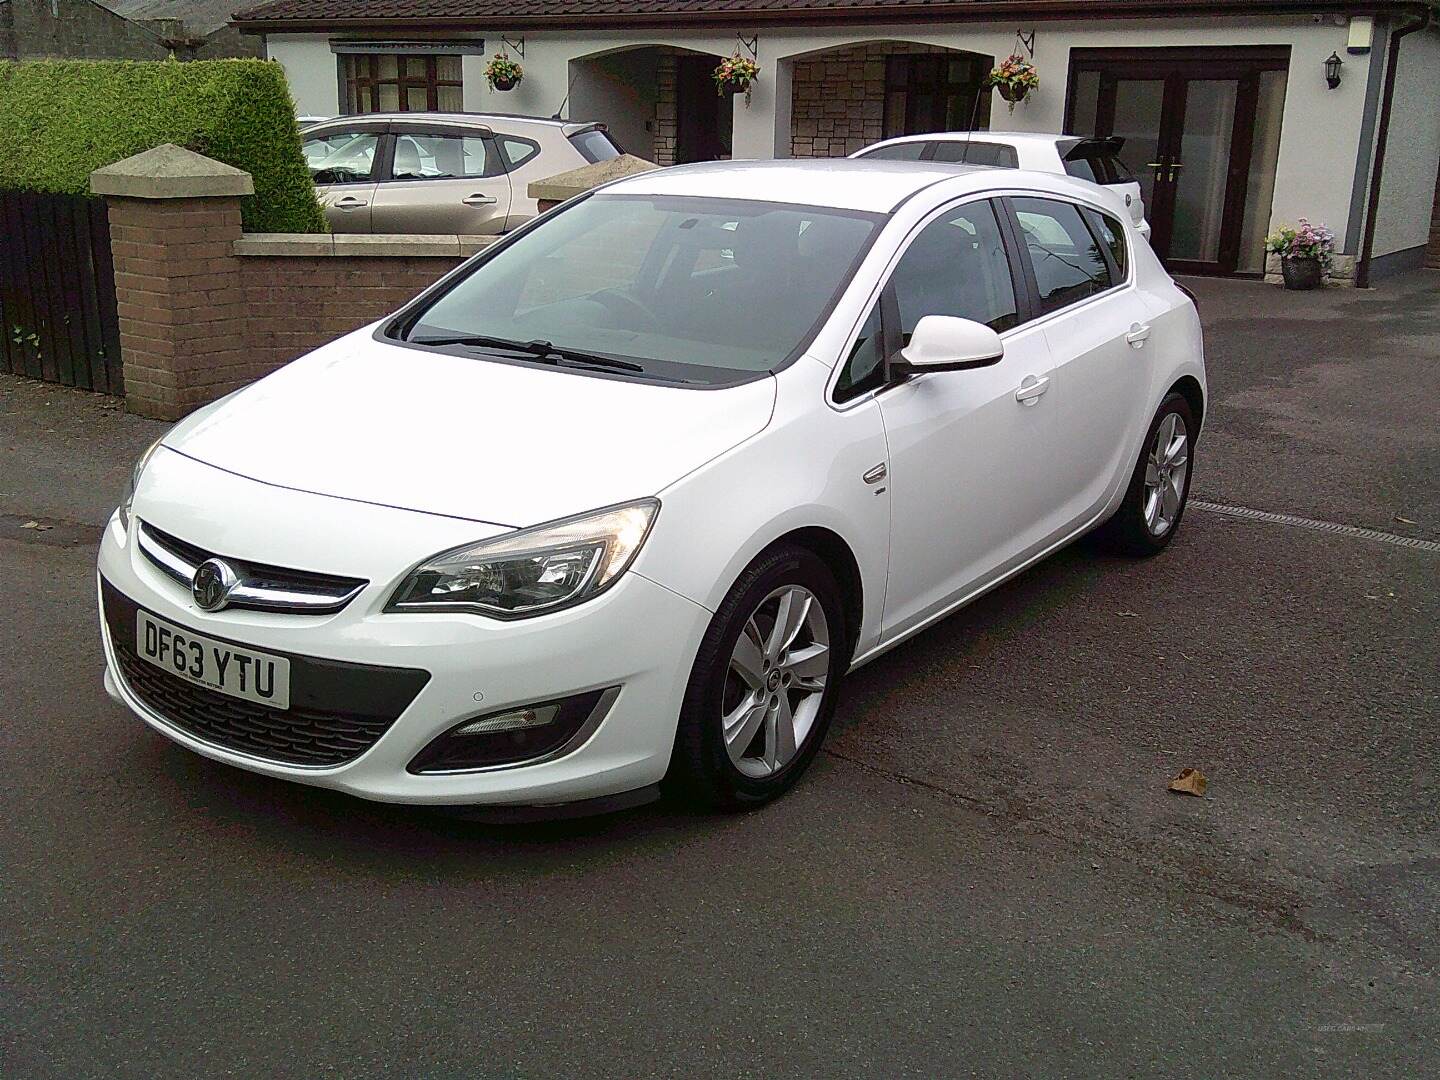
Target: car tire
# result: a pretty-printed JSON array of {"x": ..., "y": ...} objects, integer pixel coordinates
[
  {"x": 1140, "y": 527},
  {"x": 716, "y": 765}
]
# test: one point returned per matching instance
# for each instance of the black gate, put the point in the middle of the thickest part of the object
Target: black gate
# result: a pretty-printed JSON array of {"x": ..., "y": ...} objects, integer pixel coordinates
[{"x": 57, "y": 291}]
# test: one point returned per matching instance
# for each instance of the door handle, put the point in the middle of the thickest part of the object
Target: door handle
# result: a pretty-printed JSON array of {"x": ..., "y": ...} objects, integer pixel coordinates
[
  {"x": 1032, "y": 389},
  {"x": 349, "y": 202},
  {"x": 1138, "y": 335},
  {"x": 875, "y": 475},
  {"x": 480, "y": 199}
]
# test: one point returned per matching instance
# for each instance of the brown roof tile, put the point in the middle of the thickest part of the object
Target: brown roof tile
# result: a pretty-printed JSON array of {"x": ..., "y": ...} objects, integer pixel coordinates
[{"x": 506, "y": 14}]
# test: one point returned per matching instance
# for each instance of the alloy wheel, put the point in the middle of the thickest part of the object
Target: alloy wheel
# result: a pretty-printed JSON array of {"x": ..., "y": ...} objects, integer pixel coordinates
[
  {"x": 776, "y": 681},
  {"x": 1166, "y": 468}
]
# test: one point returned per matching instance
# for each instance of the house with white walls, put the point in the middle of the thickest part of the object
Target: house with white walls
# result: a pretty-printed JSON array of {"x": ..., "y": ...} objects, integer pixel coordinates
[{"x": 1237, "y": 115}]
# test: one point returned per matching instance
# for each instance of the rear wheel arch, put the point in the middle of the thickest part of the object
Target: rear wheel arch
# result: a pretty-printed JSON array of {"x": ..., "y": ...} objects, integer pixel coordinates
[{"x": 1188, "y": 387}]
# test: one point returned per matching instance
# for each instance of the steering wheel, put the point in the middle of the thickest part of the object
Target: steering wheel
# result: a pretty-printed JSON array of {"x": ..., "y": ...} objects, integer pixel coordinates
[{"x": 620, "y": 304}]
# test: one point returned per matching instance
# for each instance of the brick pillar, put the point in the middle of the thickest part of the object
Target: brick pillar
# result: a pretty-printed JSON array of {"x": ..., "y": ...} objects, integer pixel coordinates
[{"x": 174, "y": 219}]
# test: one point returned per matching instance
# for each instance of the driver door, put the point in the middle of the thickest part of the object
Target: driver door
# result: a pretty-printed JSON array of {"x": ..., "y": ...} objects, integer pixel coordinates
[
  {"x": 342, "y": 165},
  {"x": 968, "y": 449}
]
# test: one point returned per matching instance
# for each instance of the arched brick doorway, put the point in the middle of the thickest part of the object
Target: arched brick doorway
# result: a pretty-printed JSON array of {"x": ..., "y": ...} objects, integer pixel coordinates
[
  {"x": 659, "y": 101},
  {"x": 847, "y": 97}
]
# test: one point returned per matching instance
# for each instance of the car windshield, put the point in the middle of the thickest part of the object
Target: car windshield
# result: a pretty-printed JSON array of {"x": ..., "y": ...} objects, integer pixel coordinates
[{"x": 691, "y": 289}]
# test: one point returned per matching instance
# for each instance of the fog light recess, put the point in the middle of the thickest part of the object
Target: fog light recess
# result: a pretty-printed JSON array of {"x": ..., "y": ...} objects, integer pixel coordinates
[{"x": 513, "y": 735}]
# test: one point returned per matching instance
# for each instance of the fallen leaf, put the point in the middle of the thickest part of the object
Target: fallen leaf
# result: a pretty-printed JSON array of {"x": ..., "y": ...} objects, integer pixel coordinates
[
  {"x": 1189, "y": 782},
  {"x": 35, "y": 525},
  {"x": 1405, "y": 521},
  {"x": 1128, "y": 614}
]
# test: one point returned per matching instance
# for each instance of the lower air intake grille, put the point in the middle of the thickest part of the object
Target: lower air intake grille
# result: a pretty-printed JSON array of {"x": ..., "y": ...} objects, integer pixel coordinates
[{"x": 338, "y": 710}]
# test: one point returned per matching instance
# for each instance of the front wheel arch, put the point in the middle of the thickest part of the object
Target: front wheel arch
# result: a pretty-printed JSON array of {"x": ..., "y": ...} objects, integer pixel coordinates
[{"x": 830, "y": 547}]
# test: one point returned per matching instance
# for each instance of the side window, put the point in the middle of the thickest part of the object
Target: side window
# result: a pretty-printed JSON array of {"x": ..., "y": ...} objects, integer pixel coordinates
[
  {"x": 1112, "y": 235},
  {"x": 1064, "y": 256},
  {"x": 594, "y": 145},
  {"x": 865, "y": 368},
  {"x": 517, "y": 151},
  {"x": 978, "y": 153},
  {"x": 347, "y": 158},
  {"x": 442, "y": 157},
  {"x": 957, "y": 266},
  {"x": 905, "y": 151}
]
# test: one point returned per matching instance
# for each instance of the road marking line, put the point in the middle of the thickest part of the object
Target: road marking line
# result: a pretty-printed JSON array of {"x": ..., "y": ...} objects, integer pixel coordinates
[{"x": 1353, "y": 531}]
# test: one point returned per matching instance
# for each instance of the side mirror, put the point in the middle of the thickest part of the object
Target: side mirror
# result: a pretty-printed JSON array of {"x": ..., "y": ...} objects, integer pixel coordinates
[{"x": 945, "y": 343}]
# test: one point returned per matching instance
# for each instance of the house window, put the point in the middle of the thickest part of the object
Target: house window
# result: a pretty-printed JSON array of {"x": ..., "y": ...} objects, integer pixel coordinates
[
  {"x": 935, "y": 92},
  {"x": 391, "y": 82}
]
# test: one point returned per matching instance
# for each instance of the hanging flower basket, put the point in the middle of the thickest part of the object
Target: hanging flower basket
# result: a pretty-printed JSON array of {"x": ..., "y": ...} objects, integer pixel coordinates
[
  {"x": 1015, "y": 78},
  {"x": 1304, "y": 253},
  {"x": 736, "y": 75},
  {"x": 502, "y": 73}
]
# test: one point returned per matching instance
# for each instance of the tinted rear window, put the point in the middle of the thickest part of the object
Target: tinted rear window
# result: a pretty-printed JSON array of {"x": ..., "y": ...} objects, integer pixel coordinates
[
  {"x": 1098, "y": 164},
  {"x": 596, "y": 145}
]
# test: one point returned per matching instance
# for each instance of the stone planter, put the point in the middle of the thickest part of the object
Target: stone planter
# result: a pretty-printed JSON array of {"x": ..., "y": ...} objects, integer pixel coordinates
[{"x": 1301, "y": 274}]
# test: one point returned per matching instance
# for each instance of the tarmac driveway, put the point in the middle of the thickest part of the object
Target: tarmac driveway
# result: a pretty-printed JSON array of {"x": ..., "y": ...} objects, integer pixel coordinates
[{"x": 983, "y": 875}]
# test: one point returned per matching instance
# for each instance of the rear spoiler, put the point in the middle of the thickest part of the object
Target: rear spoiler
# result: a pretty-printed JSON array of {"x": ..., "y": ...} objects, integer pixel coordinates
[
  {"x": 579, "y": 129},
  {"x": 1110, "y": 146}
]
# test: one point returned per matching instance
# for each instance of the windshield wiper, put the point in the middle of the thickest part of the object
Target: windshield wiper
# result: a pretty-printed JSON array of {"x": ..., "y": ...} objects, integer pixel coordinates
[{"x": 539, "y": 350}]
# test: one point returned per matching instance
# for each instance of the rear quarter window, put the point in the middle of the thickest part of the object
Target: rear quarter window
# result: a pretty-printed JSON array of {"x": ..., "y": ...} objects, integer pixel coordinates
[{"x": 595, "y": 145}]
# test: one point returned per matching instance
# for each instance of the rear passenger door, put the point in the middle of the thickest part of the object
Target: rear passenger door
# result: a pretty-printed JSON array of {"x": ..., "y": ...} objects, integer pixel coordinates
[
  {"x": 1096, "y": 325},
  {"x": 442, "y": 182}
]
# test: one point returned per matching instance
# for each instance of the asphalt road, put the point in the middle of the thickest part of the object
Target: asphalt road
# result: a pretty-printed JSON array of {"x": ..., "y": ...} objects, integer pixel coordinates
[{"x": 983, "y": 875}]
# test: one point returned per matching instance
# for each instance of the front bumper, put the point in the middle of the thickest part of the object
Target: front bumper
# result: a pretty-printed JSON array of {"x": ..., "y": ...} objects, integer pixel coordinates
[{"x": 636, "y": 636}]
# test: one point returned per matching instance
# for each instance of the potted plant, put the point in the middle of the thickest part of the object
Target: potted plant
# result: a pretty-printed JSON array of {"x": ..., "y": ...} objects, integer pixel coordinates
[
  {"x": 502, "y": 73},
  {"x": 1015, "y": 78},
  {"x": 735, "y": 76},
  {"x": 1304, "y": 252}
]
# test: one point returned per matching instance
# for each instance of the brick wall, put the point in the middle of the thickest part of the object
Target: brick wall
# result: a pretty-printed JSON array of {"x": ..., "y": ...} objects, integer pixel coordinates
[
  {"x": 839, "y": 98},
  {"x": 666, "y": 101},
  {"x": 180, "y": 313},
  {"x": 299, "y": 302},
  {"x": 205, "y": 308}
]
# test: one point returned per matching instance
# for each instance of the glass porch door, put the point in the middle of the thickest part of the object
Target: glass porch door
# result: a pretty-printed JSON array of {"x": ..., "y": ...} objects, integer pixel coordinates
[{"x": 1201, "y": 135}]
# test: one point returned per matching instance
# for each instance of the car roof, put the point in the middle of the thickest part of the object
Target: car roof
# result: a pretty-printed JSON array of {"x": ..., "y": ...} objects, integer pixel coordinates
[
  {"x": 838, "y": 183},
  {"x": 1037, "y": 138},
  {"x": 484, "y": 119}
]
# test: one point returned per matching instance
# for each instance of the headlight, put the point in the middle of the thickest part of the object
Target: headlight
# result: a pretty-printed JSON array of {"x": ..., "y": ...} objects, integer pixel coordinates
[
  {"x": 134, "y": 482},
  {"x": 532, "y": 571}
]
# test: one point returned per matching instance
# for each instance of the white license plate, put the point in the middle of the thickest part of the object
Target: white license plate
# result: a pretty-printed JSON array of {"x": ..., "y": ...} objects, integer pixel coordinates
[{"x": 241, "y": 673}]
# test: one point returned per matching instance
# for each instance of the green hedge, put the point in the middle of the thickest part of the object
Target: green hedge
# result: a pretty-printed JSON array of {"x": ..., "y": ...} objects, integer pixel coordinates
[{"x": 61, "y": 120}]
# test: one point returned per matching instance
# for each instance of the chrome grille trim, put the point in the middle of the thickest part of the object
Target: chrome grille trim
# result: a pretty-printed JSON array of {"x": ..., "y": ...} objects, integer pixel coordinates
[{"x": 262, "y": 587}]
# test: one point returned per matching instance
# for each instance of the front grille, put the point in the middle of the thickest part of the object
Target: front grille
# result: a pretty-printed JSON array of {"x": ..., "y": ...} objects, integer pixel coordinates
[
  {"x": 262, "y": 587},
  {"x": 338, "y": 710}
]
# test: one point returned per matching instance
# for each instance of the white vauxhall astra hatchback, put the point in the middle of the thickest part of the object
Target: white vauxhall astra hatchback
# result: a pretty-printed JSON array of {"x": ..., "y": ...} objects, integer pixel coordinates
[{"x": 613, "y": 507}]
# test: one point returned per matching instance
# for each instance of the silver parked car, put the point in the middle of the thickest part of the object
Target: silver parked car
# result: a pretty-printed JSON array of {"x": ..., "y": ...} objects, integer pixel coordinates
[{"x": 463, "y": 173}]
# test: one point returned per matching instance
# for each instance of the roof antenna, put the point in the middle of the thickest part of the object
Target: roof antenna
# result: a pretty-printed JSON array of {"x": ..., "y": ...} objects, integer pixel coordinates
[
  {"x": 974, "y": 118},
  {"x": 569, "y": 86}
]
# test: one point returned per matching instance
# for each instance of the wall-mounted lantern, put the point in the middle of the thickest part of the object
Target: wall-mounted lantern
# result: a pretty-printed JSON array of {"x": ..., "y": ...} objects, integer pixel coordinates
[{"x": 1333, "y": 64}]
